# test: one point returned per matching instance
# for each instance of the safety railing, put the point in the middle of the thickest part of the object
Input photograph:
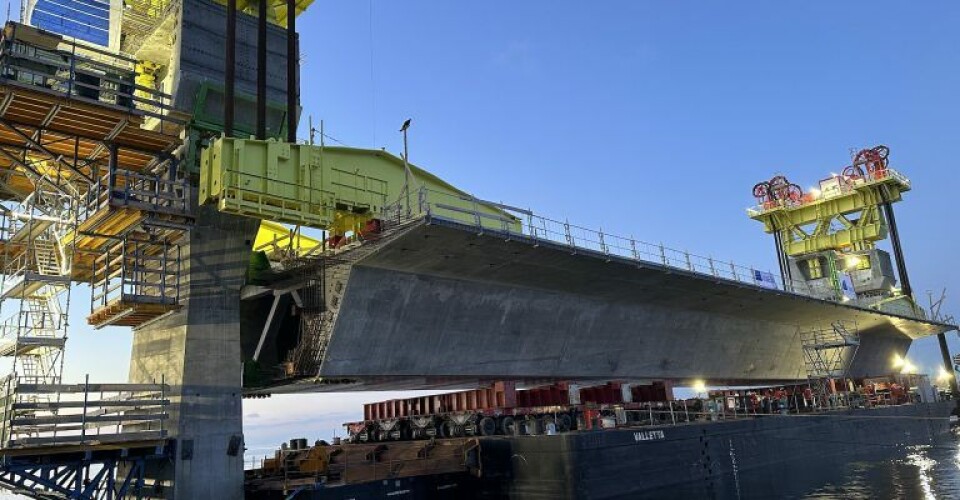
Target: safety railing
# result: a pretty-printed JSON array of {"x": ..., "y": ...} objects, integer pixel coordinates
[
  {"x": 77, "y": 70},
  {"x": 487, "y": 216},
  {"x": 137, "y": 272},
  {"x": 38, "y": 415},
  {"x": 43, "y": 257},
  {"x": 253, "y": 193},
  {"x": 28, "y": 323},
  {"x": 148, "y": 192}
]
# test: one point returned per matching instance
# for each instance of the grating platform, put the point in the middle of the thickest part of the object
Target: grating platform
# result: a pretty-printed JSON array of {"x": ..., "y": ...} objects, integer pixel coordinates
[
  {"x": 128, "y": 312},
  {"x": 26, "y": 345},
  {"x": 28, "y": 283}
]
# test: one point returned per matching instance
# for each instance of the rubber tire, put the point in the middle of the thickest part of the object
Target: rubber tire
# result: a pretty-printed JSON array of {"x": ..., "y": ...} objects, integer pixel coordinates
[
  {"x": 508, "y": 426},
  {"x": 564, "y": 422},
  {"x": 487, "y": 426},
  {"x": 451, "y": 429}
]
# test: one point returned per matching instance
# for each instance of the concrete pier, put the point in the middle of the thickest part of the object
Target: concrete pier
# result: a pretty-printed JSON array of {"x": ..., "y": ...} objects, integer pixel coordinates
[{"x": 196, "y": 350}]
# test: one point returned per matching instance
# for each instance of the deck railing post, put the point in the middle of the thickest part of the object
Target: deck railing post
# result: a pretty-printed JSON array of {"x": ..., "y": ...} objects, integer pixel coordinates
[
  {"x": 73, "y": 70},
  {"x": 163, "y": 404},
  {"x": 83, "y": 416}
]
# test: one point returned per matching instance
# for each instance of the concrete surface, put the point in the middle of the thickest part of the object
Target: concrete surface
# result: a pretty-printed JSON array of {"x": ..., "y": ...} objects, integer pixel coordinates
[
  {"x": 443, "y": 306},
  {"x": 197, "y": 352}
]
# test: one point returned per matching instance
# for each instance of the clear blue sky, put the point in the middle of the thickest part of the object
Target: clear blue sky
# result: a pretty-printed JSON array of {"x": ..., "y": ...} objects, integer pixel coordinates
[{"x": 647, "y": 118}]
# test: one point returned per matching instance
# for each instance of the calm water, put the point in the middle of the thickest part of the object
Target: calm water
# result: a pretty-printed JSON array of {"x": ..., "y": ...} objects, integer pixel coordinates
[{"x": 913, "y": 472}]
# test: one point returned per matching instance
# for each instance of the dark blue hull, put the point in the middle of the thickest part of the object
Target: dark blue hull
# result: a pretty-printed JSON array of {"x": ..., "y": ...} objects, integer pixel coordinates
[
  {"x": 764, "y": 457},
  {"x": 705, "y": 460}
]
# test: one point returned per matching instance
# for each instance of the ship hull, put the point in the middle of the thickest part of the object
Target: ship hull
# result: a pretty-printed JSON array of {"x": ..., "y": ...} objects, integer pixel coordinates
[
  {"x": 712, "y": 459},
  {"x": 767, "y": 456}
]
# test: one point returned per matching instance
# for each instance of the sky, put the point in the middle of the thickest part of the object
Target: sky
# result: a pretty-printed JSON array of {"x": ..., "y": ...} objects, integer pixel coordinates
[{"x": 651, "y": 119}]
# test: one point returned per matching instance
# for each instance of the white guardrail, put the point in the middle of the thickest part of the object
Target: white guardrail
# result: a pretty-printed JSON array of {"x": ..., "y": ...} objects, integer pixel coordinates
[{"x": 495, "y": 217}]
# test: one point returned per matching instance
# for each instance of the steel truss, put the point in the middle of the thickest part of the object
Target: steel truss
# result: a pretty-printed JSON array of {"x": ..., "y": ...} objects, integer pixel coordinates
[{"x": 87, "y": 475}]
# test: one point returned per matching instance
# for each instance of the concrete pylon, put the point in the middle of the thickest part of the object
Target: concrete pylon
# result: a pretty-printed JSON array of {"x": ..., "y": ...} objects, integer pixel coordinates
[{"x": 196, "y": 350}]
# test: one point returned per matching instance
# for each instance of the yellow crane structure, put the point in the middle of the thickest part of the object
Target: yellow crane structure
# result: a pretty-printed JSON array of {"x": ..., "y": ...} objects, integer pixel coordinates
[
  {"x": 335, "y": 189},
  {"x": 826, "y": 237}
]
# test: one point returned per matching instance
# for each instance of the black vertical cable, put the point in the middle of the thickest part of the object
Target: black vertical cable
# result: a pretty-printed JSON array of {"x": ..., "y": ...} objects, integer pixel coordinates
[
  {"x": 898, "y": 250},
  {"x": 292, "y": 87},
  {"x": 779, "y": 248},
  {"x": 230, "y": 72},
  {"x": 262, "y": 71}
]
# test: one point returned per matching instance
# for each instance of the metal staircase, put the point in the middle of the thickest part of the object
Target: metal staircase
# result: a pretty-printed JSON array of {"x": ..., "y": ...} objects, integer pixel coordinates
[
  {"x": 36, "y": 282},
  {"x": 318, "y": 320},
  {"x": 828, "y": 353}
]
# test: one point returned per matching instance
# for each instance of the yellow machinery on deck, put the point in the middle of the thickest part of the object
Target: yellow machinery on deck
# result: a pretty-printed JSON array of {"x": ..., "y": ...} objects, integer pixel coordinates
[
  {"x": 826, "y": 237},
  {"x": 297, "y": 465},
  {"x": 336, "y": 189}
]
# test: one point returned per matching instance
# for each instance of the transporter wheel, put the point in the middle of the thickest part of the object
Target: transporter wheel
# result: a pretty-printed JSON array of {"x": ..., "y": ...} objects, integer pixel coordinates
[
  {"x": 487, "y": 426},
  {"x": 449, "y": 429},
  {"x": 508, "y": 426},
  {"x": 564, "y": 422}
]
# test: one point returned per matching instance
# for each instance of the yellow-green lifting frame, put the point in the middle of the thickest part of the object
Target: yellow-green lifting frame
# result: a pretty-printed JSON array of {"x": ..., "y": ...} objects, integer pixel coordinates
[
  {"x": 337, "y": 189},
  {"x": 850, "y": 221}
]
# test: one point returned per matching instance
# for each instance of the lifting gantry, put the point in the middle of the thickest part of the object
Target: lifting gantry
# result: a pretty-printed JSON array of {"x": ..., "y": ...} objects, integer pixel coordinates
[{"x": 826, "y": 237}]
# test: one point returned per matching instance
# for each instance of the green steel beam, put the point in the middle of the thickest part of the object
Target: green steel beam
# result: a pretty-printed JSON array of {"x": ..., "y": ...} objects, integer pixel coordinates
[
  {"x": 851, "y": 220},
  {"x": 333, "y": 188}
]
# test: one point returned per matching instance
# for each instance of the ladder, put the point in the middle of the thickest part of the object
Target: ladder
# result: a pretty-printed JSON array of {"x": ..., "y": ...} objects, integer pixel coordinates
[
  {"x": 36, "y": 281},
  {"x": 828, "y": 353},
  {"x": 335, "y": 266}
]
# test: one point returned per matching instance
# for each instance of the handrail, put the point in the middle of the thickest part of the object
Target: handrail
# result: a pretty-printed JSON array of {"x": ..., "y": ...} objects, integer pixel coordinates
[
  {"x": 38, "y": 414},
  {"x": 486, "y": 216},
  {"x": 540, "y": 229},
  {"x": 84, "y": 77}
]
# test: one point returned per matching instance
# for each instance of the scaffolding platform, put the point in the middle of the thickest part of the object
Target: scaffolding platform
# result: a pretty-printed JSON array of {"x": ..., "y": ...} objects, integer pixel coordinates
[
  {"x": 28, "y": 283},
  {"x": 81, "y": 441},
  {"x": 28, "y": 344},
  {"x": 135, "y": 281},
  {"x": 128, "y": 311},
  {"x": 56, "y": 415}
]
